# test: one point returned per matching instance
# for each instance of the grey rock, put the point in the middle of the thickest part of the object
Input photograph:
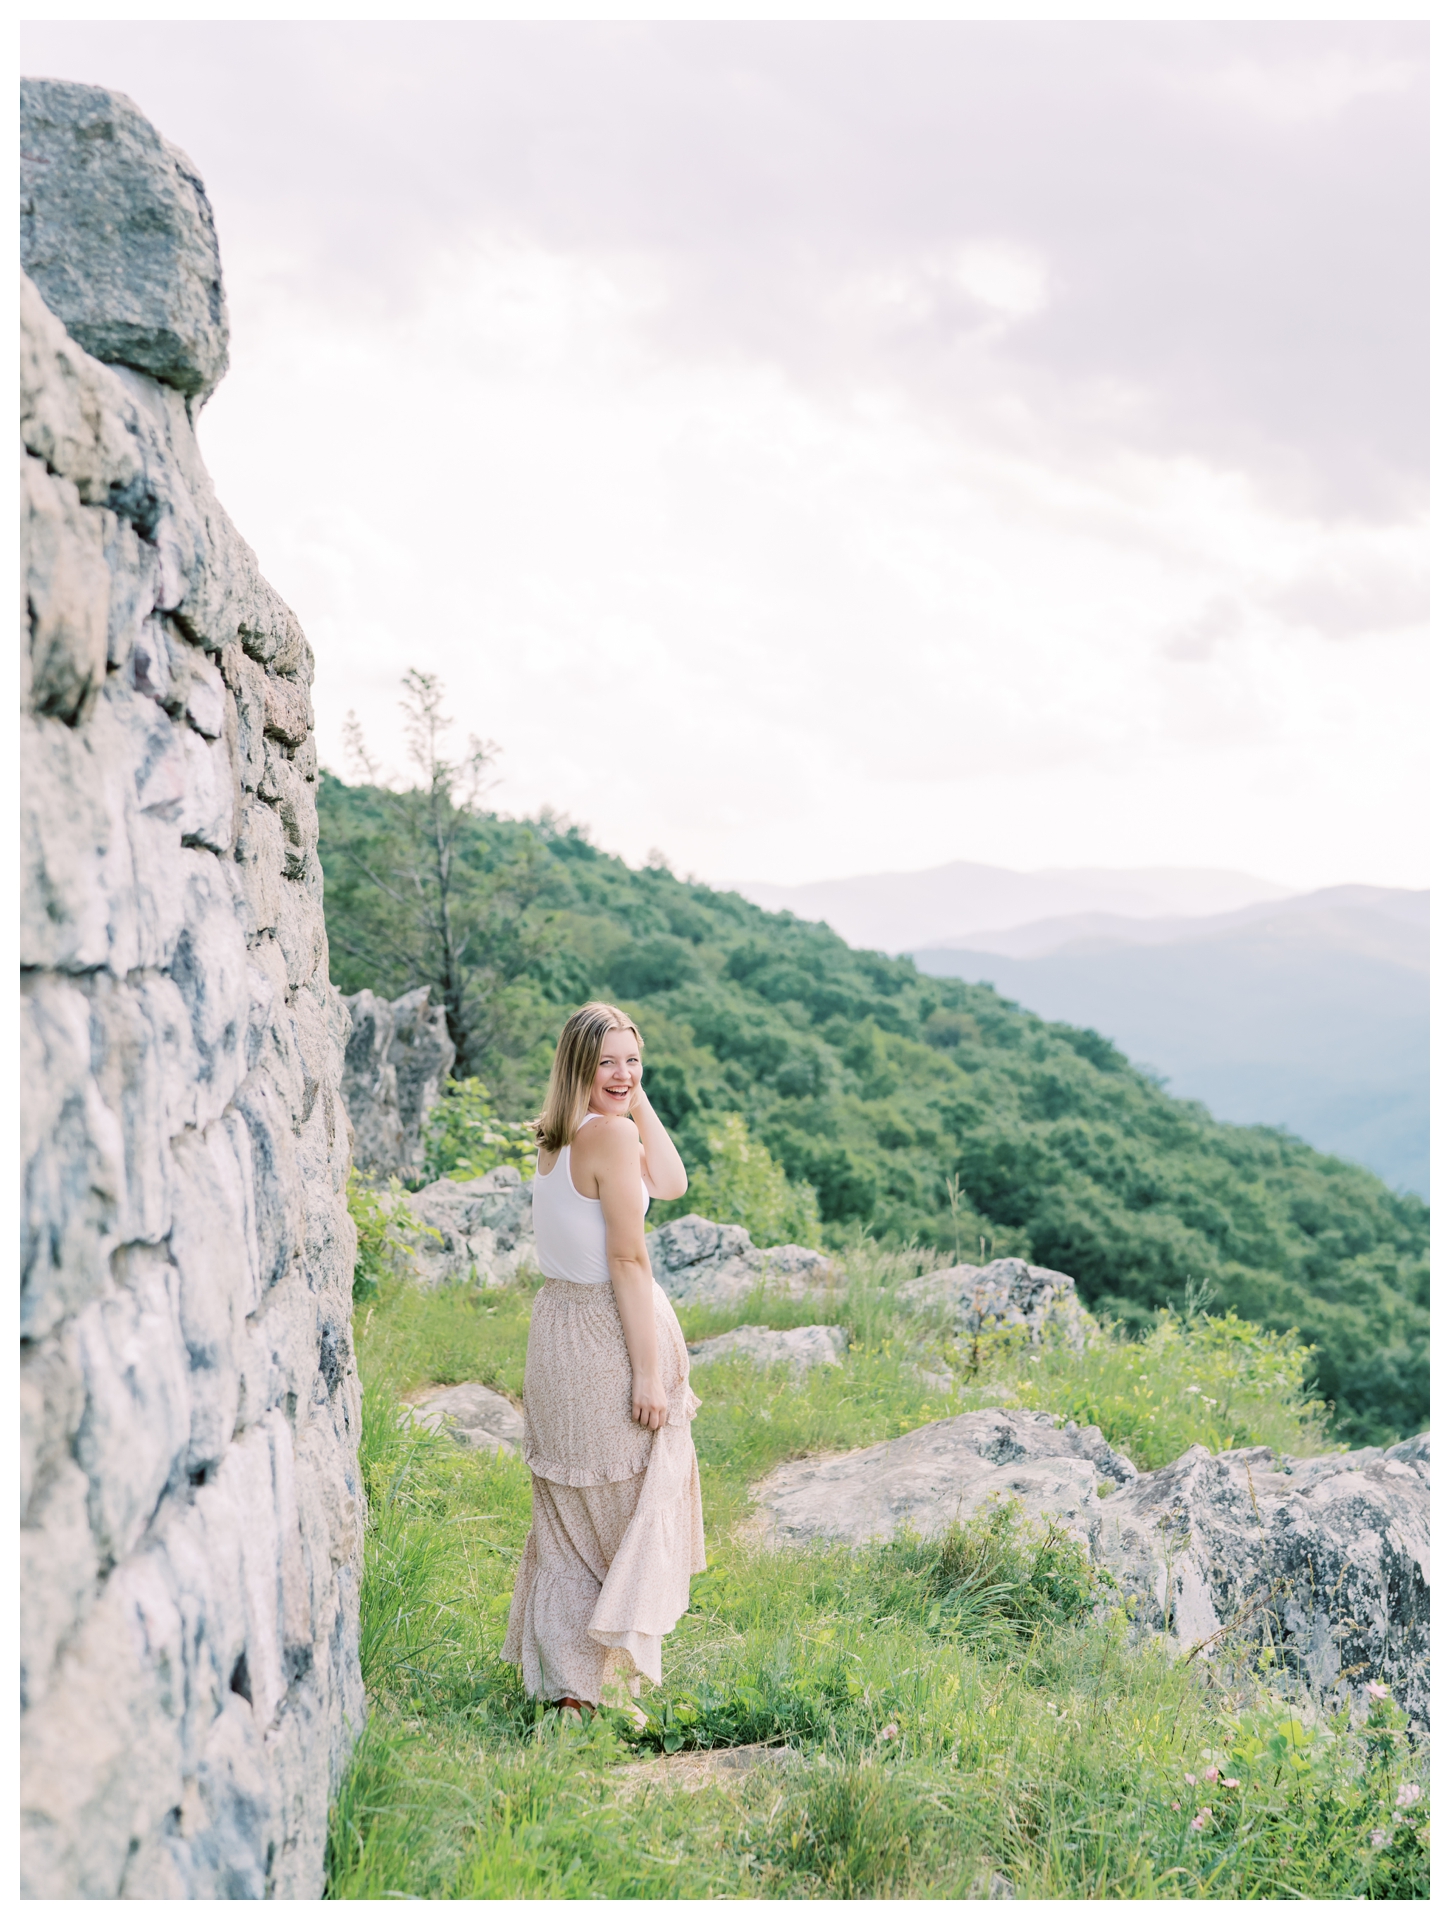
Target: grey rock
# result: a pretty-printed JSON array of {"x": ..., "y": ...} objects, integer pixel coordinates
[
  {"x": 933, "y": 1382},
  {"x": 1006, "y": 1293},
  {"x": 473, "y": 1415},
  {"x": 940, "y": 1473},
  {"x": 700, "y": 1262},
  {"x": 191, "y": 1537},
  {"x": 800, "y": 1347},
  {"x": 475, "y": 1232},
  {"x": 117, "y": 232},
  {"x": 398, "y": 1056},
  {"x": 1323, "y": 1562}
]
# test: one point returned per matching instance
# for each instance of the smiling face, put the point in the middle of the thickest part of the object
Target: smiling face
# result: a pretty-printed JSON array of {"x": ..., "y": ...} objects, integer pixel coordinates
[{"x": 618, "y": 1073}]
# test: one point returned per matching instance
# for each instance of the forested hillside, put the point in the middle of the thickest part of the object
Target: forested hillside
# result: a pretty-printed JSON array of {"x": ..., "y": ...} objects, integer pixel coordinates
[{"x": 914, "y": 1107}]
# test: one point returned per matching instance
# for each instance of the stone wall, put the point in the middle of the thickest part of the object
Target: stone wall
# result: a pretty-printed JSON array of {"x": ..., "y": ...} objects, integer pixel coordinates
[{"x": 192, "y": 1518}]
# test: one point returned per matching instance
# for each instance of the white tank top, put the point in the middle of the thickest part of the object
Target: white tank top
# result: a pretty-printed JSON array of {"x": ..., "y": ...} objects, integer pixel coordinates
[{"x": 568, "y": 1228}]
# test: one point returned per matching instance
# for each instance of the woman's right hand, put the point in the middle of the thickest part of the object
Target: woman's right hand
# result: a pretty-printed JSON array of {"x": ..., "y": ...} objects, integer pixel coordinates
[{"x": 649, "y": 1408}]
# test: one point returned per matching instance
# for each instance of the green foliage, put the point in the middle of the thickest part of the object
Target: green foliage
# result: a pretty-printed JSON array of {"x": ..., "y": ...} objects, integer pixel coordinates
[
  {"x": 466, "y": 1138},
  {"x": 382, "y": 1220},
  {"x": 955, "y": 1708},
  {"x": 743, "y": 1183},
  {"x": 928, "y": 1111},
  {"x": 1214, "y": 1382}
]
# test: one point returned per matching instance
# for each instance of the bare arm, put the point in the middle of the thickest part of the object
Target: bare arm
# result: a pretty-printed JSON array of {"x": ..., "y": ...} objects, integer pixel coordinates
[
  {"x": 614, "y": 1159},
  {"x": 664, "y": 1170}
]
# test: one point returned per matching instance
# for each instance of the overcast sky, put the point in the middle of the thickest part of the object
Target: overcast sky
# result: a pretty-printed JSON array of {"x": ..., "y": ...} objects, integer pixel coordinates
[{"x": 815, "y": 449}]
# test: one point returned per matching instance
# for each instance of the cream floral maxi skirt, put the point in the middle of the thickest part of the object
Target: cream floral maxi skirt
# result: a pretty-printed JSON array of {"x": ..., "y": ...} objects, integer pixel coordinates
[{"x": 617, "y": 1525}]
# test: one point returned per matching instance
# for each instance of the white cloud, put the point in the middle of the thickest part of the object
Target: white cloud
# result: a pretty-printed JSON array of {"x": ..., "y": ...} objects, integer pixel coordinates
[
  {"x": 781, "y": 632},
  {"x": 1317, "y": 88}
]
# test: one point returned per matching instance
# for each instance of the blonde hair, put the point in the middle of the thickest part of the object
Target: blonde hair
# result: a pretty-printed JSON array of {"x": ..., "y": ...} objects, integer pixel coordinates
[{"x": 571, "y": 1078}]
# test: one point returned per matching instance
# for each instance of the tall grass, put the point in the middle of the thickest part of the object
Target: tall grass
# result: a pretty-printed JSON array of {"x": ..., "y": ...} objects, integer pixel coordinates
[{"x": 955, "y": 1708}]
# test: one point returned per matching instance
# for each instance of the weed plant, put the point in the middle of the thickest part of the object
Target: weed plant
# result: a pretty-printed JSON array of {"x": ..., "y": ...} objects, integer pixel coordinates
[{"x": 953, "y": 1708}]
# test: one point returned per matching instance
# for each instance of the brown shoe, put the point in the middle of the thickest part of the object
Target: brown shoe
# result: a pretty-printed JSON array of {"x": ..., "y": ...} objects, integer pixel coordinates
[{"x": 581, "y": 1709}]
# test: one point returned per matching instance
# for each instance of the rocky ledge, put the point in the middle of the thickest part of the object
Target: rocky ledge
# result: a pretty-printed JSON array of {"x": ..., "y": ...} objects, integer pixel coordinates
[
  {"x": 1005, "y": 1294},
  {"x": 1322, "y": 1562},
  {"x": 800, "y": 1348},
  {"x": 698, "y": 1262}
]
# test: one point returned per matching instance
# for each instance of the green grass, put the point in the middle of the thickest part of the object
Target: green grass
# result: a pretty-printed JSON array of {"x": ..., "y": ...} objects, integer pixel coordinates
[{"x": 963, "y": 1706}]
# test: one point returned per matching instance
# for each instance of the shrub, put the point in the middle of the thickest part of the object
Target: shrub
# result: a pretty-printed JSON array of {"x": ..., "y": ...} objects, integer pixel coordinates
[
  {"x": 745, "y": 1185},
  {"x": 383, "y": 1253},
  {"x": 1195, "y": 1380},
  {"x": 465, "y": 1137}
]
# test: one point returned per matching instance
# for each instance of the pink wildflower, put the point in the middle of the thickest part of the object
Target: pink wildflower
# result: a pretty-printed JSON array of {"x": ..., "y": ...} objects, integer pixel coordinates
[
  {"x": 1229, "y": 1783},
  {"x": 1377, "y": 1690},
  {"x": 889, "y": 1731},
  {"x": 1200, "y": 1820},
  {"x": 1191, "y": 1778},
  {"x": 1210, "y": 1774},
  {"x": 1379, "y": 1838},
  {"x": 1408, "y": 1794},
  {"x": 1175, "y": 1806}
]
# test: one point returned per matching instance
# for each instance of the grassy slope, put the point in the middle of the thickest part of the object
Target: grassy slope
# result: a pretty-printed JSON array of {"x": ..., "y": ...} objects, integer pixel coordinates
[
  {"x": 961, "y": 1709},
  {"x": 875, "y": 1083}
]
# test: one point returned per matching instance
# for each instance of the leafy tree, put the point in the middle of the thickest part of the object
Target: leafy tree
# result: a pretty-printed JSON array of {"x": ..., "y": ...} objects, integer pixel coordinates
[{"x": 413, "y": 895}]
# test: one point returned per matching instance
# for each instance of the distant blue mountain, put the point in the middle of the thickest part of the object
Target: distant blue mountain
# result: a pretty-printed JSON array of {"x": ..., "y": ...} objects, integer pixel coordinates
[{"x": 1311, "y": 1013}]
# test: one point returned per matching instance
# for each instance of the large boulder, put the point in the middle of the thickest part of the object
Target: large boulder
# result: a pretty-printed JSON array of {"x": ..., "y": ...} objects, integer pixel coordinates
[
  {"x": 701, "y": 1262},
  {"x": 474, "y": 1232},
  {"x": 117, "y": 233},
  {"x": 1325, "y": 1562},
  {"x": 399, "y": 1054},
  {"x": 941, "y": 1473},
  {"x": 474, "y": 1416},
  {"x": 1005, "y": 1293},
  {"x": 799, "y": 1347}
]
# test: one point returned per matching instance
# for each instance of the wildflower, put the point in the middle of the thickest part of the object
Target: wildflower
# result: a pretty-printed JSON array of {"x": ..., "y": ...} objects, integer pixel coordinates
[
  {"x": 1175, "y": 1806},
  {"x": 1210, "y": 1774},
  {"x": 1377, "y": 1690},
  {"x": 1191, "y": 1778},
  {"x": 1408, "y": 1794},
  {"x": 889, "y": 1731},
  {"x": 1201, "y": 1819},
  {"x": 1229, "y": 1783},
  {"x": 1379, "y": 1838}
]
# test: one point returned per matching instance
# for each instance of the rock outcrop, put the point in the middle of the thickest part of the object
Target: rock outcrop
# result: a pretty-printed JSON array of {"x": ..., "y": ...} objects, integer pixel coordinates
[
  {"x": 191, "y": 1513},
  {"x": 117, "y": 233},
  {"x": 398, "y": 1056},
  {"x": 473, "y": 1415},
  {"x": 1324, "y": 1561},
  {"x": 698, "y": 1262},
  {"x": 1005, "y": 1294},
  {"x": 474, "y": 1232},
  {"x": 800, "y": 1347},
  {"x": 944, "y": 1472}
]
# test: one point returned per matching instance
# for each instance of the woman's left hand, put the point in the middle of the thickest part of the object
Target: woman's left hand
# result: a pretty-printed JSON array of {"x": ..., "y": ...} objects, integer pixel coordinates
[{"x": 649, "y": 1407}]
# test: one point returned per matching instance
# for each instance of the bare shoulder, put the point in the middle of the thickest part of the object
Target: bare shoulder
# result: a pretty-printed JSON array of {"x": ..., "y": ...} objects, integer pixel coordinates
[{"x": 609, "y": 1138}]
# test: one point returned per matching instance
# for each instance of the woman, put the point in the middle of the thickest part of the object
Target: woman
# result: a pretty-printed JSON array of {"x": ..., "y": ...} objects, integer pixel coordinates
[{"x": 617, "y": 1528}]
